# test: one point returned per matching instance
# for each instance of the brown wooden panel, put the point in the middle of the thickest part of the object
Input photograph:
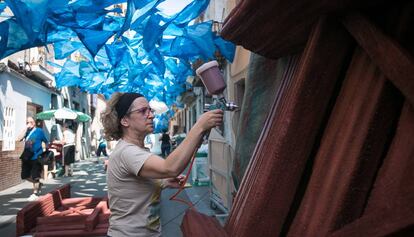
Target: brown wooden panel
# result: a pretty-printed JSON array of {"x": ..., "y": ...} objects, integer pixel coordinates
[
  {"x": 270, "y": 184},
  {"x": 393, "y": 60},
  {"x": 196, "y": 224},
  {"x": 404, "y": 32},
  {"x": 395, "y": 184},
  {"x": 351, "y": 150},
  {"x": 251, "y": 174},
  {"x": 263, "y": 80},
  {"x": 390, "y": 208},
  {"x": 276, "y": 28}
]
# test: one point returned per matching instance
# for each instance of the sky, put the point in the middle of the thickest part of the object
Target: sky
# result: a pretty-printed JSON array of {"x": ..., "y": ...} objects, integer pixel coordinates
[{"x": 171, "y": 7}]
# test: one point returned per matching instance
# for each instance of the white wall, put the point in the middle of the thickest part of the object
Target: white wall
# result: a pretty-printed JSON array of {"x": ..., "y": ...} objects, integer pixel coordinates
[
  {"x": 16, "y": 91},
  {"x": 215, "y": 10},
  {"x": 96, "y": 124}
]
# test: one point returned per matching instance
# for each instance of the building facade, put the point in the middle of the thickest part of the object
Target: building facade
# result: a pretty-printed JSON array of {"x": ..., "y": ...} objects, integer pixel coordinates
[{"x": 27, "y": 87}]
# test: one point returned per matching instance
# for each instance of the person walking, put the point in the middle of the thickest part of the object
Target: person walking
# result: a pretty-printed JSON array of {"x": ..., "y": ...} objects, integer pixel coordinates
[
  {"x": 101, "y": 146},
  {"x": 31, "y": 167},
  {"x": 68, "y": 149},
  {"x": 135, "y": 176},
  {"x": 165, "y": 144}
]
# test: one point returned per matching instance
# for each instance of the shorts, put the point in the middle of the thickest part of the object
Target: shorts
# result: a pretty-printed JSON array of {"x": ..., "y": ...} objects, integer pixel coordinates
[
  {"x": 69, "y": 154},
  {"x": 31, "y": 169}
]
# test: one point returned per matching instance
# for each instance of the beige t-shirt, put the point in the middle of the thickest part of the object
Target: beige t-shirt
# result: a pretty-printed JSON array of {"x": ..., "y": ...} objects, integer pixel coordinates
[{"x": 134, "y": 201}]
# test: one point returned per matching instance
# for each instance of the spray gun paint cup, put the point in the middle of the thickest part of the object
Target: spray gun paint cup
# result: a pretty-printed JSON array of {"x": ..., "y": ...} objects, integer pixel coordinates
[{"x": 212, "y": 78}]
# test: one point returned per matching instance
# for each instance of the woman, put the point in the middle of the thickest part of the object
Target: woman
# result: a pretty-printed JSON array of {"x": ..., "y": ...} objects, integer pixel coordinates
[
  {"x": 31, "y": 167},
  {"x": 165, "y": 144},
  {"x": 135, "y": 176},
  {"x": 69, "y": 149}
]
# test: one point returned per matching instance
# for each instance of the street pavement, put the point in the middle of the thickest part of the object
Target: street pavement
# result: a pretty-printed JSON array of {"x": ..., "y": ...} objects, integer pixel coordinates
[{"x": 89, "y": 179}]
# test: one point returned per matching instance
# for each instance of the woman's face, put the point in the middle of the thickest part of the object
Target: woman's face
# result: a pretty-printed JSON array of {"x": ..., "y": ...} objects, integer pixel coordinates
[
  {"x": 30, "y": 123},
  {"x": 140, "y": 117}
]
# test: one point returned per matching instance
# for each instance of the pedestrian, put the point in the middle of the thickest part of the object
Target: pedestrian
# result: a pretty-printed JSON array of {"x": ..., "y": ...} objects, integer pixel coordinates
[
  {"x": 165, "y": 144},
  {"x": 68, "y": 149},
  {"x": 101, "y": 146},
  {"x": 135, "y": 176},
  {"x": 31, "y": 167}
]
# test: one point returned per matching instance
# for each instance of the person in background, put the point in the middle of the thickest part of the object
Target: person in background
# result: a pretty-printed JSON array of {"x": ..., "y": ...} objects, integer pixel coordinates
[
  {"x": 68, "y": 142},
  {"x": 135, "y": 176},
  {"x": 165, "y": 144},
  {"x": 101, "y": 146},
  {"x": 31, "y": 167},
  {"x": 55, "y": 146}
]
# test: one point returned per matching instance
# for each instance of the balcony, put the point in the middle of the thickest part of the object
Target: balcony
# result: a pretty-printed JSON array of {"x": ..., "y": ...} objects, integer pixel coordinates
[{"x": 42, "y": 73}]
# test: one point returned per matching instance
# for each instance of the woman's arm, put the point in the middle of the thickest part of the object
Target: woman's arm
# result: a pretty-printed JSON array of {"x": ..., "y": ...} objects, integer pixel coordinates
[
  {"x": 22, "y": 135},
  {"x": 175, "y": 163}
]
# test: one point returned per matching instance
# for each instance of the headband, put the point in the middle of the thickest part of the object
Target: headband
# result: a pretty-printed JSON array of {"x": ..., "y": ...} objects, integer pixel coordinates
[{"x": 125, "y": 102}]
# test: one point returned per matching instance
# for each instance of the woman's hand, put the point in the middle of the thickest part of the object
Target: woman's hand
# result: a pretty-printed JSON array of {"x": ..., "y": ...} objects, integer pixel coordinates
[
  {"x": 174, "y": 182},
  {"x": 210, "y": 119}
]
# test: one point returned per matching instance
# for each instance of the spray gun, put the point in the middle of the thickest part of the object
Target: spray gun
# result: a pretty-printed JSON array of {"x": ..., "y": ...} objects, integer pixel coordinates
[{"x": 214, "y": 82}]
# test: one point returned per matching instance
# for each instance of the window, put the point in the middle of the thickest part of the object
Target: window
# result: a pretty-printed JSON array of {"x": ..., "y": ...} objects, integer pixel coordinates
[
  {"x": 9, "y": 129},
  {"x": 54, "y": 101},
  {"x": 76, "y": 106}
]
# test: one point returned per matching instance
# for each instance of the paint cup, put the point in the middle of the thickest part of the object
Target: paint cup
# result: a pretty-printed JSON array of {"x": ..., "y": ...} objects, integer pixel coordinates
[{"x": 211, "y": 77}]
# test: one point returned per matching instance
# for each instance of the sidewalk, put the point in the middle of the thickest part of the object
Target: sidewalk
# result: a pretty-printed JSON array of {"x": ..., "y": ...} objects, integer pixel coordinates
[{"x": 89, "y": 179}]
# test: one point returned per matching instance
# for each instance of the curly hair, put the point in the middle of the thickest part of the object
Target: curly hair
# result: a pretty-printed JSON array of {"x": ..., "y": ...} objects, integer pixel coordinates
[{"x": 109, "y": 119}]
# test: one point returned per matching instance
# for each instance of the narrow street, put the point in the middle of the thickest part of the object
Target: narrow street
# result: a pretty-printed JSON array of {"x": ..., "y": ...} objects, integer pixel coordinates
[
  {"x": 300, "y": 117},
  {"x": 89, "y": 179}
]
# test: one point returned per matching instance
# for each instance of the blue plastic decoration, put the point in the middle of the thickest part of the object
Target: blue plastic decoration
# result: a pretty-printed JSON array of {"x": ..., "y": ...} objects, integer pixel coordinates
[
  {"x": 31, "y": 16},
  {"x": 139, "y": 48}
]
